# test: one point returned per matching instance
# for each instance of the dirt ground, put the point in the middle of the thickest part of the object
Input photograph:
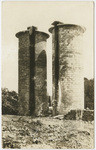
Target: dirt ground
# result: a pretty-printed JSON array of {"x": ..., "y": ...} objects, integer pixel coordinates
[{"x": 46, "y": 133}]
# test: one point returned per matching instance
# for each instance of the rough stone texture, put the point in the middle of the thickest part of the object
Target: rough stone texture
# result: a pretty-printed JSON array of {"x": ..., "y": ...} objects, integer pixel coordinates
[
  {"x": 85, "y": 115},
  {"x": 32, "y": 73},
  {"x": 24, "y": 74},
  {"x": 46, "y": 133},
  {"x": 88, "y": 115},
  {"x": 71, "y": 79}
]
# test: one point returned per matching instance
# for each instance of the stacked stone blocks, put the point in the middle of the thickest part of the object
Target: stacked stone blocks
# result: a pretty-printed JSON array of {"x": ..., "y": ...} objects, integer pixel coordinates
[
  {"x": 67, "y": 70},
  {"x": 32, "y": 72},
  {"x": 71, "y": 79}
]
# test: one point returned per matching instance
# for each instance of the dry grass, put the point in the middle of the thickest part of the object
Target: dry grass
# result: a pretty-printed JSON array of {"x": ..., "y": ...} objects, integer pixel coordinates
[{"x": 46, "y": 133}]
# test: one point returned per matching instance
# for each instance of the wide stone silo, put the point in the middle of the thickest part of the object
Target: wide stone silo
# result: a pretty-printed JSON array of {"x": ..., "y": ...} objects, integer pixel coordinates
[
  {"x": 32, "y": 73},
  {"x": 67, "y": 67}
]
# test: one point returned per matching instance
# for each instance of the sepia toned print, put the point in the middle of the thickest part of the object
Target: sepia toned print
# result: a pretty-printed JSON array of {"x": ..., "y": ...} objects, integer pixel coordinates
[{"x": 48, "y": 92}]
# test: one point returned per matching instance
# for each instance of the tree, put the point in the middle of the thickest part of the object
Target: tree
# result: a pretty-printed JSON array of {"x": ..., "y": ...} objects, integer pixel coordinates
[
  {"x": 89, "y": 93},
  {"x": 9, "y": 102}
]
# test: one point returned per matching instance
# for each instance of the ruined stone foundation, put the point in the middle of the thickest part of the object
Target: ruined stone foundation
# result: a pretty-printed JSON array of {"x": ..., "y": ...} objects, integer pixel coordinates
[
  {"x": 32, "y": 72},
  {"x": 67, "y": 67}
]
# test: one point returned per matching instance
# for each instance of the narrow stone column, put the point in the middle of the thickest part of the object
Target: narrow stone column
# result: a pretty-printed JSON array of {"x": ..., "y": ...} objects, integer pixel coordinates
[
  {"x": 70, "y": 85},
  {"x": 32, "y": 73}
]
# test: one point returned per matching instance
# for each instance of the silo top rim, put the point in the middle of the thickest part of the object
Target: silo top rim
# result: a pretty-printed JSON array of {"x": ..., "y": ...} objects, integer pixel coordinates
[
  {"x": 26, "y": 31},
  {"x": 67, "y": 26}
]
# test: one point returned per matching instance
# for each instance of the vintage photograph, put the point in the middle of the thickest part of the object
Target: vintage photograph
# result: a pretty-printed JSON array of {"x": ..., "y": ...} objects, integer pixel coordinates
[{"x": 47, "y": 74}]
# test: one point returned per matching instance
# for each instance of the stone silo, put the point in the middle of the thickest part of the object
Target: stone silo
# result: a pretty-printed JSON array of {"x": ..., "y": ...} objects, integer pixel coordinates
[
  {"x": 67, "y": 67},
  {"x": 32, "y": 72}
]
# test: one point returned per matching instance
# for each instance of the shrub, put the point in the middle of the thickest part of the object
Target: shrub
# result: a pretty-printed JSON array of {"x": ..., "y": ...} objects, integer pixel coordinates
[
  {"x": 9, "y": 102},
  {"x": 89, "y": 93}
]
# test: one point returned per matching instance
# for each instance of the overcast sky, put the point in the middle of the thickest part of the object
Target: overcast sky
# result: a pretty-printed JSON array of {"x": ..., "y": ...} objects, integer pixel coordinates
[{"x": 17, "y": 16}]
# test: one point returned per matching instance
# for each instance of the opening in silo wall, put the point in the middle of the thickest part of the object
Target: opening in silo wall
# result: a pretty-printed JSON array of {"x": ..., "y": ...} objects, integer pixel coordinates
[
  {"x": 41, "y": 84},
  {"x": 32, "y": 47},
  {"x": 41, "y": 100}
]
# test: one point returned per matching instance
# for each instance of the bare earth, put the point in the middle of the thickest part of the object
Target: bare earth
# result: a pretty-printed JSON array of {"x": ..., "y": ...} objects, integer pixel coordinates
[{"x": 46, "y": 133}]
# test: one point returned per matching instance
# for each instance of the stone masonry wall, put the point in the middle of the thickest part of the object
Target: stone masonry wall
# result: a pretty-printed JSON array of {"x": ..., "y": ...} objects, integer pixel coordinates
[
  {"x": 24, "y": 74},
  {"x": 71, "y": 79},
  {"x": 32, "y": 73}
]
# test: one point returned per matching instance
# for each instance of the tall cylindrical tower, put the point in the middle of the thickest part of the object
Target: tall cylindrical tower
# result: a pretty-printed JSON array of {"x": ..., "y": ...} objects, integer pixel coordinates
[
  {"x": 67, "y": 66},
  {"x": 32, "y": 72}
]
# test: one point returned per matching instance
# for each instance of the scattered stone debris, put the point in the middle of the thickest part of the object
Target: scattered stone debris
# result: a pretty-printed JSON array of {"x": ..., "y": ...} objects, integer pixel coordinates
[
  {"x": 60, "y": 117},
  {"x": 46, "y": 132},
  {"x": 85, "y": 115}
]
